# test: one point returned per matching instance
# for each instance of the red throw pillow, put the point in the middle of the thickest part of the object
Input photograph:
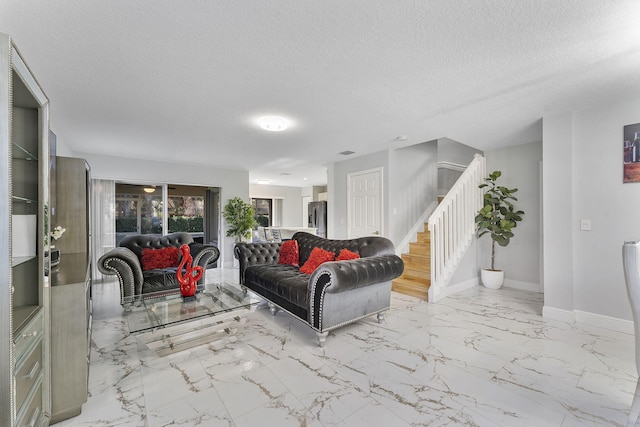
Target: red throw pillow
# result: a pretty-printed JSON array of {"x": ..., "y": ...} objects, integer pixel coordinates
[
  {"x": 159, "y": 258},
  {"x": 346, "y": 254},
  {"x": 317, "y": 257},
  {"x": 289, "y": 253}
]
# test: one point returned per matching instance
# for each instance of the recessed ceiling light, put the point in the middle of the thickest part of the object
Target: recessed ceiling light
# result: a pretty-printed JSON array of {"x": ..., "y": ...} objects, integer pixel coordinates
[
  {"x": 263, "y": 181},
  {"x": 274, "y": 123},
  {"x": 149, "y": 189}
]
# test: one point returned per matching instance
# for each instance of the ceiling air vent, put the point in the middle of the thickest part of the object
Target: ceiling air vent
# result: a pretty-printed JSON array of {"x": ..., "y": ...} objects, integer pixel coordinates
[{"x": 346, "y": 153}]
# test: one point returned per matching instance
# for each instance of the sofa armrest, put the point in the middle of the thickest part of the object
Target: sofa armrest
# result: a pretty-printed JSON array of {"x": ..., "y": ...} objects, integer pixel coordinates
[
  {"x": 340, "y": 276},
  {"x": 203, "y": 254},
  {"x": 356, "y": 287},
  {"x": 249, "y": 254},
  {"x": 123, "y": 263}
]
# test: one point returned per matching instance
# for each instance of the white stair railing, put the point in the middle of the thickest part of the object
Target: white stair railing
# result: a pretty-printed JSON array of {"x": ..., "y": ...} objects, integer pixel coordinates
[{"x": 452, "y": 225}]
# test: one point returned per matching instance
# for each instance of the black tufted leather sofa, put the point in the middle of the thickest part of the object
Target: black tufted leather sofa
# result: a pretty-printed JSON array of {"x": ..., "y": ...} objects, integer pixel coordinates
[
  {"x": 337, "y": 293},
  {"x": 124, "y": 262}
]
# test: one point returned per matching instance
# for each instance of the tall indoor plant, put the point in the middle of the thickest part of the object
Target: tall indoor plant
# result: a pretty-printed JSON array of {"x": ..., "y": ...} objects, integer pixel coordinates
[
  {"x": 239, "y": 216},
  {"x": 498, "y": 217}
]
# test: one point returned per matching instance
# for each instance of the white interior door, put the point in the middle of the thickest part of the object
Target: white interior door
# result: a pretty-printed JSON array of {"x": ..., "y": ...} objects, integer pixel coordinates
[{"x": 364, "y": 214}]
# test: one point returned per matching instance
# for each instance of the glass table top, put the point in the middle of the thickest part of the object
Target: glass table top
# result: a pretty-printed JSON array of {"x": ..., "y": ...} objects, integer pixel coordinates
[{"x": 157, "y": 310}]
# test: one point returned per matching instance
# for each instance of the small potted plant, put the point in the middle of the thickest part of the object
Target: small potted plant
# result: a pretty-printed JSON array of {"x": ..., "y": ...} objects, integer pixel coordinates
[
  {"x": 239, "y": 216},
  {"x": 498, "y": 217}
]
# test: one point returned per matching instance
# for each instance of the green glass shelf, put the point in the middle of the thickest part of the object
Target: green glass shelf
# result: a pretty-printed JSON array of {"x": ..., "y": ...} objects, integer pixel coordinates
[
  {"x": 17, "y": 199},
  {"x": 21, "y": 153},
  {"x": 15, "y": 261}
]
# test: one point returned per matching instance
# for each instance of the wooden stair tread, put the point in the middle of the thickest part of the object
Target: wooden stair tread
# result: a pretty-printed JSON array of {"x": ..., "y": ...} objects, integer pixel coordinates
[
  {"x": 409, "y": 284},
  {"x": 418, "y": 262},
  {"x": 418, "y": 273},
  {"x": 415, "y": 281},
  {"x": 416, "y": 278},
  {"x": 410, "y": 288},
  {"x": 419, "y": 248},
  {"x": 423, "y": 237}
]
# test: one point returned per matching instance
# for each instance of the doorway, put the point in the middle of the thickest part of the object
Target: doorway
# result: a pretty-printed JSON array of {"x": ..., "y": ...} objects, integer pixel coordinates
[
  {"x": 168, "y": 208},
  {"x": 364, "y": 205}
]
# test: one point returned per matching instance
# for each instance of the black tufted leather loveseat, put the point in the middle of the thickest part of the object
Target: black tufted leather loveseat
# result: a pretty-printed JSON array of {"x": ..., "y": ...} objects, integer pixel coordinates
[
  {"x": 125, "y": 262},
  {"x": 336, "y": 293}
]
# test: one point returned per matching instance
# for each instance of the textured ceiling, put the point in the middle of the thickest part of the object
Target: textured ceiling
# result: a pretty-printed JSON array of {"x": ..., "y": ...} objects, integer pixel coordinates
[{"x": 184, "y": 81}]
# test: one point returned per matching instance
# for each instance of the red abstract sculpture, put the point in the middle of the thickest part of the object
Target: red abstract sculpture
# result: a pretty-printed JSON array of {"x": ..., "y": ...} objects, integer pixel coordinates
[{"x": 191, "y": 276}]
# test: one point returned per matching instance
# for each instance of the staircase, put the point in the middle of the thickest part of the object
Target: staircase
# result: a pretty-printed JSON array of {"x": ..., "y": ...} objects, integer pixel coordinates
[
  {"x": 416, "y": 278},
  {"x": 434, "y": 257}
]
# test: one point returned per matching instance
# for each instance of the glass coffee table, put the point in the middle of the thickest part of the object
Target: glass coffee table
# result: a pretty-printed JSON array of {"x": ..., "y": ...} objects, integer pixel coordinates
[{"x": 168, "y": 323}]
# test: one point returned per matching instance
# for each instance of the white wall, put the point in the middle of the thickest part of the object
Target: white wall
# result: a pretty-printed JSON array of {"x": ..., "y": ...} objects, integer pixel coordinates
[
  {"x": 62, "y": 149},
  {"x": 313, "y": 192},
  {"x": 232, "y": 183},
  {"x": 291, "y": 201},
  {"x": 583, "y": 179}
]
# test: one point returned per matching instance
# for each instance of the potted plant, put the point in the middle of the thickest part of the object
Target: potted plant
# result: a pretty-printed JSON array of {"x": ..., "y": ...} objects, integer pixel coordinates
[
  {"x": 498, "y": 217},
  {"x": 239, "y": 217}
]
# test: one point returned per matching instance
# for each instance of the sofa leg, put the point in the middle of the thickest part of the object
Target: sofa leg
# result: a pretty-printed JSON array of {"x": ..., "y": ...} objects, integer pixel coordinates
[
  {"x": 322, "y": 337},
  {"x": 273, "y": 309},
  {"x": 380, "y": 317}
]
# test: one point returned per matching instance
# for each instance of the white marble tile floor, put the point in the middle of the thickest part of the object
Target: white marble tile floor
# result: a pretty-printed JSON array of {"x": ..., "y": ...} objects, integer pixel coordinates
[{"x": 479, "y": 358}]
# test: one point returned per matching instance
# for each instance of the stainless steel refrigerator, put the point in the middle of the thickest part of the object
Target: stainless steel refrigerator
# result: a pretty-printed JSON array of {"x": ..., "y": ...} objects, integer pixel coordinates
[{"x": 318, "y": 217}]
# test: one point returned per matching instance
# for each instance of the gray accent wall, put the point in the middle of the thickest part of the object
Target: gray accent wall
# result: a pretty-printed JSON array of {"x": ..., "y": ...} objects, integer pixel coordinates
[
  {"x": 410, "y": 183},
  {"x": 337, "y": 190},
  {"x": 521, "y": 260},
  {"x": 520, "y": 167},
  {"x": 455, "y": 152},
  {"x": 451, "y": 152},
  {"x": 583, "y": 180},
  {"x": 413, "y": 180}
]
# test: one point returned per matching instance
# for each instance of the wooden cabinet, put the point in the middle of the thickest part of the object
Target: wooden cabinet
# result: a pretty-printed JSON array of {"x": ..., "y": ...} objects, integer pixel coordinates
[
  {"x": 70, "y": 335},
  {"x": 24, "y": 288},
  {"x": 72, "y": 204},
  {"x": 71, "y": 305}
]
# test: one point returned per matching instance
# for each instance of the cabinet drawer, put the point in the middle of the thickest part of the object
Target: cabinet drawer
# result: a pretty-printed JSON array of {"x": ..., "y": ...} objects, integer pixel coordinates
[
  {"x": 27, "y": 337},
  {"x": 27, "y": 373},
  {"x": 31, "y": 415}
]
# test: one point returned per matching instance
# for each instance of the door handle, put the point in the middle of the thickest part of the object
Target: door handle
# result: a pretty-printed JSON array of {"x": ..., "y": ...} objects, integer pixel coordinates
[{"x": 376, "y": 232}]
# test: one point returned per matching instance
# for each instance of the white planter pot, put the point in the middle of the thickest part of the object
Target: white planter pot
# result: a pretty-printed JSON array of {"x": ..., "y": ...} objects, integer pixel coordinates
[{"x": 492, "y": 279}]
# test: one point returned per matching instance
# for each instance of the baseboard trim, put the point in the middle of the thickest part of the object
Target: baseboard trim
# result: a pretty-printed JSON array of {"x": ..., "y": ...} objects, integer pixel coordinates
[
  {"x": 524, "y": 286},
  {"x": 607, "y": 322},
  {"x": 551, "y": 313},
  {"x": 453, "y": 289},
  {"x": 584, "y": 317}
]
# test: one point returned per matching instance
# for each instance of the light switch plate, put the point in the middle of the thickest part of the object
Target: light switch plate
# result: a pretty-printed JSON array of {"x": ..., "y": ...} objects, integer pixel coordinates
[{"x": 585, "y": 224}]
